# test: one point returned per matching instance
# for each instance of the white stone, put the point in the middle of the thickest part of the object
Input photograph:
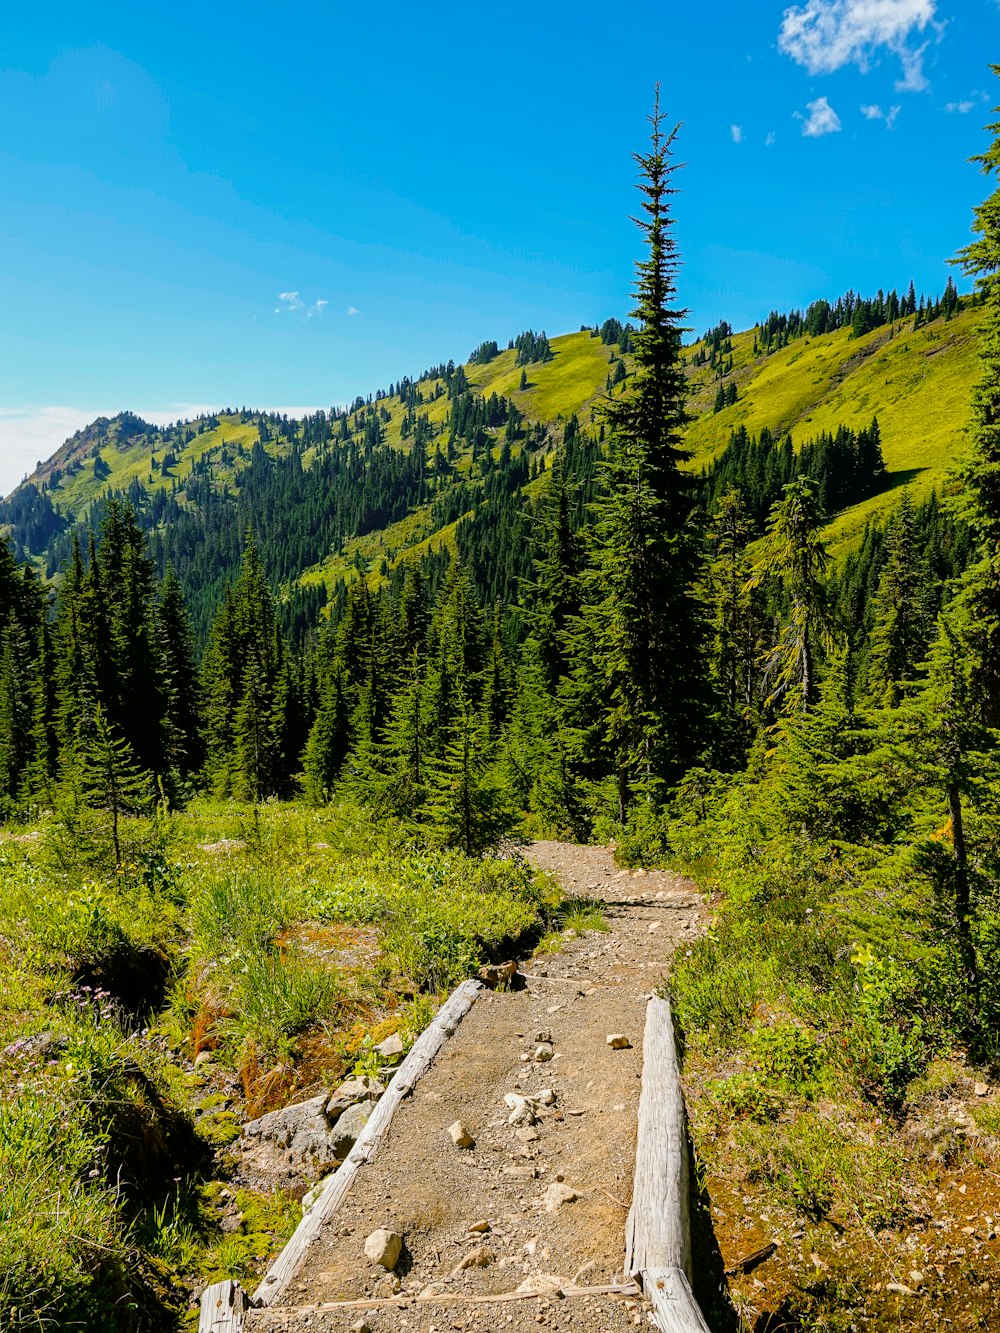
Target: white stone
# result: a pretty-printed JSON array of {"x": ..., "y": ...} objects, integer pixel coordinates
[
  {"x": 618, "y": 1041},
  {"x": 460, "y": 1136},
  {"x": 384, "y": 1247}
]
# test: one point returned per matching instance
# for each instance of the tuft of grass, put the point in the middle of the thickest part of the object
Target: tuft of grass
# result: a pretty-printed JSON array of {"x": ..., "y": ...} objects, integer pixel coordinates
[{"x": 580, "y": 916}]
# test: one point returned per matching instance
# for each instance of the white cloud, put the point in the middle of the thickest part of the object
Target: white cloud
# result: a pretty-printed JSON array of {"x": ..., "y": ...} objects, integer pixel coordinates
[
  {"x": 822, "y": 119},
  {"x": 825, "y": 35},
  {"x": 769, "y": 141},
  {"x": 737, "y": 132},
  {"x": 293, "y": 304},
  {"x": 353, "y": 310},
  {"x": 967, "y": 104},
  {"x": 875, "y": 112}
]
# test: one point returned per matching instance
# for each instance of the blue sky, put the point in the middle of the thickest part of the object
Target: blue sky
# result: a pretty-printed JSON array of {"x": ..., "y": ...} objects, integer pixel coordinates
[{"x": 205, "y": 205}]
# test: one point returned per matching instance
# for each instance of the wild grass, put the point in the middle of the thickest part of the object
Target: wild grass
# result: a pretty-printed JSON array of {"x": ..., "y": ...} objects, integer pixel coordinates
[{"x": 284, "y": 940}]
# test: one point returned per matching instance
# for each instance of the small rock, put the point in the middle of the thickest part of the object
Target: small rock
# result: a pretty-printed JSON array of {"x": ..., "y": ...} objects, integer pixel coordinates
[
  {"x": 521, "y": 1112},
  {"x": 543, "y": 1052},
  {"x": 480, "y": 1227},
  {"x": 544, "y": 1034},
  {"x": 361, "y": 1326},
  {"x": 203, "y": 1058},
  {"x": 391, "y": 1048},
  {"x": 521, "y": 1172},
  {"x": 480, "y": 1257},
  {"x": 899, "y": 1289},
  {"x": 982, "y": 1089},
  {"x": 527, "y": 1134},
  {"x": 618, "y": 1041},
  {"x": 545, "y": 1097},
  {"x": 494, "y": 975},
  {"x": 654, "y": 926},
  {"x": 460, "y": 1136},
  {"x": 558, "y": 1194},
  {"x": 916, "y": 1278},
  {"x": 384, "y": 1247}
]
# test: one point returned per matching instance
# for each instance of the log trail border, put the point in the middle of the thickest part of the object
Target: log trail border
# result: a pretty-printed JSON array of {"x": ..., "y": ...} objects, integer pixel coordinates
[
  {"x": 658, "y": 1230},
  {"x": 224, "y": 1304}
]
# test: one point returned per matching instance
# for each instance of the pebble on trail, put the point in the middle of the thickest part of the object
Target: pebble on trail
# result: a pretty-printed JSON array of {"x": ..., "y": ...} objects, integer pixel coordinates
[
  {"x": 384, "y": 1247},
  {"x": 460, "y": 1136}
]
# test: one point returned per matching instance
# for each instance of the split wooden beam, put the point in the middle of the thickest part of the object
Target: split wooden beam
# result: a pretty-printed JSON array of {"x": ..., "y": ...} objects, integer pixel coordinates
[{"x": 658, "y": 1231}]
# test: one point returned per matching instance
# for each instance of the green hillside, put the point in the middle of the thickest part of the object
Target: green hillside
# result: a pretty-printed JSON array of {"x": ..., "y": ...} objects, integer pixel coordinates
[{"x": 916, "y": 380}]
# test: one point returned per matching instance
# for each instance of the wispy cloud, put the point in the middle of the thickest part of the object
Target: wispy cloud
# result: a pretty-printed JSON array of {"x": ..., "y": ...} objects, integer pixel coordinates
[
  {"x": 967, "y": 104},
  {"x": 825, "y": 35},
  {"x": 822, "y": 119},
  {"x": 353, "y": 310},
  {"x": 291, "y": 303},
  {"x": 769, "y": 141},
  {"x": 875, "y": 112},
  {"x": 737, "y": 132}
]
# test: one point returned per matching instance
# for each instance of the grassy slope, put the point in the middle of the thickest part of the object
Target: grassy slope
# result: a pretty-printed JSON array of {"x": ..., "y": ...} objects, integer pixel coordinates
[{"x": 916, "y": 381}]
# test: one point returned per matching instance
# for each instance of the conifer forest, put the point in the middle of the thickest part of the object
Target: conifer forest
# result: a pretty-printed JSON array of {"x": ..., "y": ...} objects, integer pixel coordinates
[{"x": 283, "y": 699}]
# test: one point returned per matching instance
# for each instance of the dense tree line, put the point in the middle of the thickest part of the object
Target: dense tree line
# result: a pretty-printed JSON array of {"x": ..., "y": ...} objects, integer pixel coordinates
[
  {"x": 859, "y": 314},
  {"x": 847, "y": 467}
]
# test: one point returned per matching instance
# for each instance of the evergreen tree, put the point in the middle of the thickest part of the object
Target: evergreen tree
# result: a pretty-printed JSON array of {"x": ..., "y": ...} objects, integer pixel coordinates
[
  {"x": 735, "y": 618},
  {"x": 648, "y": 627},
  {"x": 245, "y": 689},
  {"x": 981, "y": 471},
  {"x": 329, "y": 739},
  {"x": 902, "y": 617},
  {"x": 180, "y": 673},
  {"x": 793, "y": 551}
]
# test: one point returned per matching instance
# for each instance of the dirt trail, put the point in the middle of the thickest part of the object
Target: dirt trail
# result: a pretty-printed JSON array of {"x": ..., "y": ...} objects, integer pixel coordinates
[{"x": 485, "y": 1206}]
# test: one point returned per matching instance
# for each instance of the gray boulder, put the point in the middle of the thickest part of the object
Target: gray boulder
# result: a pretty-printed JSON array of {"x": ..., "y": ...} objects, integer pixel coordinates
[{"x": 349, "y": 1125}]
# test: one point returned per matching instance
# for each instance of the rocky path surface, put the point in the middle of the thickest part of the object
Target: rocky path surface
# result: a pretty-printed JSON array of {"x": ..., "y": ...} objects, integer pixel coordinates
[{"x": 541, "y": 1201}]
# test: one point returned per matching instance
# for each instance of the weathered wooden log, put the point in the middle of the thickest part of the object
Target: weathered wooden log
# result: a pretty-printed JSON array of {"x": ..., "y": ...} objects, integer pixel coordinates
[
  {"x": 658, "y": 1232},
  {"x": 425, "y": 1048},
  {"x": 674, "y": 1306},
  {"x": 223, "y": 1306}
]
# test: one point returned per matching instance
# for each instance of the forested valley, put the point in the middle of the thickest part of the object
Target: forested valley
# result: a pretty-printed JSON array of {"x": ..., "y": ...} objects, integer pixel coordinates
[{"x": 274, "y": 692}]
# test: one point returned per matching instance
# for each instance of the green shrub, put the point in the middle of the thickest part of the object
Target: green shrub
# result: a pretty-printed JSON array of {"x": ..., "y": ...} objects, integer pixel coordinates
[{"x": 787, "y": 1053}]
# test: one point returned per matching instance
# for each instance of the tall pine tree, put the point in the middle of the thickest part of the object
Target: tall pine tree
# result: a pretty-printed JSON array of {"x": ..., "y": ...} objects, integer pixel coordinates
[{"x": 648, "y": 625}]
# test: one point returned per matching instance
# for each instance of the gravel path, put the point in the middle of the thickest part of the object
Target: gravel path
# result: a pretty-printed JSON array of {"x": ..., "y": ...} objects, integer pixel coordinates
[{"x": 483, "y": 1220}]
